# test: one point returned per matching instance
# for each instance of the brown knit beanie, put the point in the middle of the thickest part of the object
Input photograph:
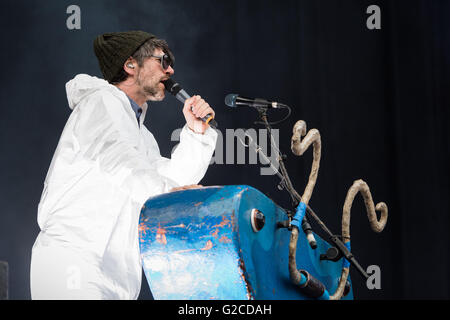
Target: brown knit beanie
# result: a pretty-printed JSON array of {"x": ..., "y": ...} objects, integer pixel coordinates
[{"x": 113, "y": 49}]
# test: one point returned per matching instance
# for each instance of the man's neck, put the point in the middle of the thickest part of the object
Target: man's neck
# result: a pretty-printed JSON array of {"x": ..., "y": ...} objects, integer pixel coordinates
[{"x": 131, "y": 91}]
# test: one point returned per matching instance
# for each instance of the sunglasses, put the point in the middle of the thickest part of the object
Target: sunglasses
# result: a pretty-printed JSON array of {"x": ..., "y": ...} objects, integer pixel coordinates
[{"x": 165, "y": 60}]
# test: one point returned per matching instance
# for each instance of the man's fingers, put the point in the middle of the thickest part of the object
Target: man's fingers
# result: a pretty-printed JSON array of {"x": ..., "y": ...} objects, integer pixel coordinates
[
  {"x": 192, "y": 186},
  {"x": 189, "y": 103},
  {"x": 207, "y": 111},
  {"x": 196, "y": 108},
  {"x": 199, "y": 106},
  {"x": 202, "y": 108}
]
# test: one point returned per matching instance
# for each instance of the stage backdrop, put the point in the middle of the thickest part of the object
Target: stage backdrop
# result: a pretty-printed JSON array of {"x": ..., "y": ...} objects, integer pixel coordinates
[{"x": 380, "y": 98}]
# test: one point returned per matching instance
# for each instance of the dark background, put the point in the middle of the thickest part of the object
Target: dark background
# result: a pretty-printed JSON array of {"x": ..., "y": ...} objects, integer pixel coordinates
[{"x": 380, "y": 99}]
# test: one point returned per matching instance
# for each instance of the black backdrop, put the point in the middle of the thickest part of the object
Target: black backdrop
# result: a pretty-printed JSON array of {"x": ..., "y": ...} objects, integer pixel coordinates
[{"x": 380, "y": 99}]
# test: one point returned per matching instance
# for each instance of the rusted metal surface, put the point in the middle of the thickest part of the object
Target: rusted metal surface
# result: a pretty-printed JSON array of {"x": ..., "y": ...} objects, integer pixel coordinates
[
  {"x": 189, "y": 248},
  {"x": 244, "y": 276}
]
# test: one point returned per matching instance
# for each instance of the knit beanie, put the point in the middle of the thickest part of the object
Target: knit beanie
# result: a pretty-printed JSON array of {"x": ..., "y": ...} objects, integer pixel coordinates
[{"x": 113, "y": 49}]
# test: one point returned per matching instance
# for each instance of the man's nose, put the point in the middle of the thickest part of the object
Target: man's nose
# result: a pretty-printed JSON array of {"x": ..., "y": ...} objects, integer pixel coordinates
[{"x": 170, "y": 70}]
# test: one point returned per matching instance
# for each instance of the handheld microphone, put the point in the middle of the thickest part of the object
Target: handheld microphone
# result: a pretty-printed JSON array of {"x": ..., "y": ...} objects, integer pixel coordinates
[
  {"x": 179, "y": 93},
  {"x": 233, "y": 100}
]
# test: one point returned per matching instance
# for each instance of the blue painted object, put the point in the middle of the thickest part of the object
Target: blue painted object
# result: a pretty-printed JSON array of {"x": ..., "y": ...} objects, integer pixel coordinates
[
  {"x": 346, "y": 263},
  {"x": 299, "y": 215},
  {"x": 200, "y": 244}
]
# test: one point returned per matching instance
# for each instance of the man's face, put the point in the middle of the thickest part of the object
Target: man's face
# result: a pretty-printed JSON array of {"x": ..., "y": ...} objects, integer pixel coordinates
[{"x": 150, "y": 75}]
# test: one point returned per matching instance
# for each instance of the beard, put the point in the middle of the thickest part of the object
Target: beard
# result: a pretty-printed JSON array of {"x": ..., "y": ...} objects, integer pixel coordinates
[{"x": 152, "y": 92}]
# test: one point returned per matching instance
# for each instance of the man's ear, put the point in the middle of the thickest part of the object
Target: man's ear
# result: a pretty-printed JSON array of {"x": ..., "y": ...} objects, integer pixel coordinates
[{"x": 130, "y": 66}]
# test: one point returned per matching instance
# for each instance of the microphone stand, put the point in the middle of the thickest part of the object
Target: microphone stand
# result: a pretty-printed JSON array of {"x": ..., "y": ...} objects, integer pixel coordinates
[
  {"x": 285, "y": 181},
  {"x": 286, "y": 184}
]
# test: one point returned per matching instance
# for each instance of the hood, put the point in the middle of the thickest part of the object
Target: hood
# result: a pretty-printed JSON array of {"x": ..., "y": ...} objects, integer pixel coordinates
[{"x": 82, "y": 86}]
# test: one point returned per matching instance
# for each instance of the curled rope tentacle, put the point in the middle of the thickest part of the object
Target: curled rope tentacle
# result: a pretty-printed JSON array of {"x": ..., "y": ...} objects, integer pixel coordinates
[
  {"x": 298, "y": 147},
  {"x": 377, "y": 225},
  {"x": 337, "y": 295}
]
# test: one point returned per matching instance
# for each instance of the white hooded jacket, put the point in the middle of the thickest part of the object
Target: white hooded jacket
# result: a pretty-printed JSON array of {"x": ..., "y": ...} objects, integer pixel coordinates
[{"x": 104, "y": 169}]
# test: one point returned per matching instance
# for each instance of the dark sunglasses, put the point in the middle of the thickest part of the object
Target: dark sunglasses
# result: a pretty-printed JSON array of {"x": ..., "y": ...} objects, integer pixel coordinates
[{"x": 165, "y": 61}]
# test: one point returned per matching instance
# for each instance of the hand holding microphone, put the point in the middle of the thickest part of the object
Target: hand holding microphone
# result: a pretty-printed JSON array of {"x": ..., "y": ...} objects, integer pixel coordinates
[{"x": 197, "y": 111}]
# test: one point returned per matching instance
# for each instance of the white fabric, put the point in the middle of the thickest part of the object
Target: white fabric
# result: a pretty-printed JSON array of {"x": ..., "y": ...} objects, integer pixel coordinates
[{"x": 104, "y": 169}]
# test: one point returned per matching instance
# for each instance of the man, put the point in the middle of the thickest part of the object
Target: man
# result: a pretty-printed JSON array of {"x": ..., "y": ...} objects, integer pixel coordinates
[{"x": 106, "y": 165}]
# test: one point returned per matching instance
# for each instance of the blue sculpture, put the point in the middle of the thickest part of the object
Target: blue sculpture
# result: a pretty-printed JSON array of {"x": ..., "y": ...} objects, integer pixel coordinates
[{"x": 202, "y": 244}]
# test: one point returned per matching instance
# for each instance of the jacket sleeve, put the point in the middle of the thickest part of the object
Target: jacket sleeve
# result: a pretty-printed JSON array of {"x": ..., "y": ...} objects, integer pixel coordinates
[
  {"x": 191, "y": 158},
  {"x": 107, "y": 137}
]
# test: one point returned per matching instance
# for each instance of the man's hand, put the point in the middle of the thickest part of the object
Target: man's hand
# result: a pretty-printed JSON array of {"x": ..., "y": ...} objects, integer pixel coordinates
[
  {"x": 192, "y": 186},
  {"x": 195, "y": 108}
]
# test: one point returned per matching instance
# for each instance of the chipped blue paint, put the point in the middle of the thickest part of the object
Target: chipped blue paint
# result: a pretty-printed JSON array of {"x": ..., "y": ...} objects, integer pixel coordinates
[{"x": 199, "y": 244}]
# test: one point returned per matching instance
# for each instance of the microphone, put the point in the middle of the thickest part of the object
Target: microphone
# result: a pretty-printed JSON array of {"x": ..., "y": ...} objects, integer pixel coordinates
[
  {"x": 233, "y": 100},
  {"x": 179, "y": 93}
]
